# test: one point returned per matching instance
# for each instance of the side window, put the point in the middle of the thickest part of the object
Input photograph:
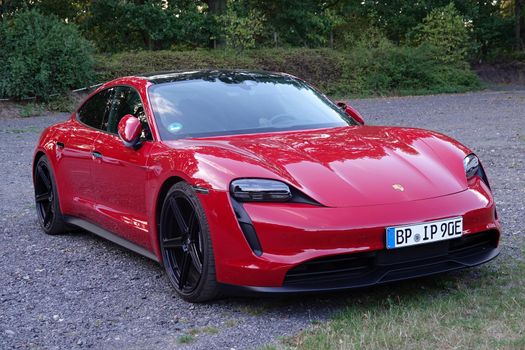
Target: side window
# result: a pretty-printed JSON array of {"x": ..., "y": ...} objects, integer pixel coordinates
[
  {"x": 94, "y": 111},
  {"x": 127, "y": 101}
]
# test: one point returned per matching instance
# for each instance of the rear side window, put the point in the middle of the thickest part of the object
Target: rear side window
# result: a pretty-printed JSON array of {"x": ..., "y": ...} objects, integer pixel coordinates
[
  {"x": 94, "y": 111},
  {"x": 126, "y": 100}
]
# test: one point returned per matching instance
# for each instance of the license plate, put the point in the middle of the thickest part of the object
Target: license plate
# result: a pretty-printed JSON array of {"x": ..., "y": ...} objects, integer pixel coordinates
[{"x": 426, "y": 232}]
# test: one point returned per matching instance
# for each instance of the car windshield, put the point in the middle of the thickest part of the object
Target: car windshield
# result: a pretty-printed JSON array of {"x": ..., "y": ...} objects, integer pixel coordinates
[{"x": 239, "y": 103}]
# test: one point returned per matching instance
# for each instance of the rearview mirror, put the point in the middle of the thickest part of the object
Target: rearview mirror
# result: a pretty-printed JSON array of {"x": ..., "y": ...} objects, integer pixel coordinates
[
  {"x": 129, "y": 130},
  {"x": 351, "y": 112}
]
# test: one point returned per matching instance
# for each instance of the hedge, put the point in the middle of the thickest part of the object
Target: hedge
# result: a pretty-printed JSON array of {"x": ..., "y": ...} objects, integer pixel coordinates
[{"x": 388, "y": 70}]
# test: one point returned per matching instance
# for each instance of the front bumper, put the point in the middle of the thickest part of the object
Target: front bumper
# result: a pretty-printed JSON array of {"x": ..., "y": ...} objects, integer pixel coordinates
[
  {"x": 366, "y": 269},
  {"x": 294, "y": 235}
]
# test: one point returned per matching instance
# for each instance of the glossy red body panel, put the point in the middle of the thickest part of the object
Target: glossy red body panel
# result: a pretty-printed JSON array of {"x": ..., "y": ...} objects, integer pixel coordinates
[{"x": 349, "y": 171}]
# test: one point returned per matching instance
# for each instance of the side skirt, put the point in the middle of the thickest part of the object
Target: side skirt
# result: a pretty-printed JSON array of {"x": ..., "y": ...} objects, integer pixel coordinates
[{"x": 88, "y": 226}]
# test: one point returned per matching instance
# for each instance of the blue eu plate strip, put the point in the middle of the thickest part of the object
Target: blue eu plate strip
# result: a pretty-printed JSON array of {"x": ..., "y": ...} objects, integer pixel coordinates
[{"x": 390, "y": 237}]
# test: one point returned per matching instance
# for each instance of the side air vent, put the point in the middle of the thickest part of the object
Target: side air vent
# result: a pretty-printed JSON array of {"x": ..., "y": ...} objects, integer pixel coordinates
[{"x": 247, "y": 227}]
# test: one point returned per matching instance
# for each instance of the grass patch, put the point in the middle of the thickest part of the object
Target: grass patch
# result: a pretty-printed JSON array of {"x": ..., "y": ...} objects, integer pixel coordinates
[
  {"x": 483, "y": 308},
  {"x": 206, "y": 330},
  {"x": 186, "y": 339},
  {"x": 29, "y": 129},
  {"x": 32, "y": 110}
]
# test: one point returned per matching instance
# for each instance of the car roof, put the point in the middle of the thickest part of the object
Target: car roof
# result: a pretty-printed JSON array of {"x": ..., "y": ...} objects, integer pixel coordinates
[{"x": 231, "y": 75}]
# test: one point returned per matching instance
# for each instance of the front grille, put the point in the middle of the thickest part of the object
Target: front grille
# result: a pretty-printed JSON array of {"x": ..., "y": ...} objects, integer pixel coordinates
[{"x": 367, "y": 268}]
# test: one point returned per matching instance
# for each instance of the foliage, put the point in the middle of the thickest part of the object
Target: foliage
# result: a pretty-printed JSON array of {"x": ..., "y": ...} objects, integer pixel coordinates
[
  {"x": 304, "y": 23},
  {"x": 369, "y": 38},
  {"x": 383, "y": 70},
  {"x": 116, "y": 25},
  {"x": 41, "y": 56},
  {"x": 241, "y": 31},
  {"x": 444, "y": 29},
  {"x": 495, "y": 28},
  {"x": 63, "y": 103},
  {"x": 406, "y": 70}
]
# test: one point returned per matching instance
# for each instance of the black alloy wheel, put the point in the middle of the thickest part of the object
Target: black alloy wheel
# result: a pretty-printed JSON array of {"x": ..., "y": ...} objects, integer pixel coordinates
[
  {"x": 186, "y": 247},
  {"x": 46, "y": 198}
]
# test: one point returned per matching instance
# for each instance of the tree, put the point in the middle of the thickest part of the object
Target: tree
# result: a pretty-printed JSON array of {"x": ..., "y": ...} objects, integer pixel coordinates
[
  {"x": 297, "y": 22},
  {"x": 241, "y": 31},
  {"x": 445, "y": 29},
  {"x": 116, "y": 25}
]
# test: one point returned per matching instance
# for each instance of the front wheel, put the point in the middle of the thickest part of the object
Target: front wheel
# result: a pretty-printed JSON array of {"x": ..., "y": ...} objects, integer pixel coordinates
[
  {"x": 46, "y": 199},
  {"x": 186, "y": 245}
]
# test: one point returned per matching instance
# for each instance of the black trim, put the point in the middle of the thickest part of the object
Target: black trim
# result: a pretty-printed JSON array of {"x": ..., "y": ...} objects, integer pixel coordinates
[
  {"x": 201, "y": 190},
  {"x": 360, "y": 270},
  {"x": 88, "y": 226},
  {"x": 247, "y": 228},
  {"x": 481, "y": 173},
  {"x": 106, "y": 112}
]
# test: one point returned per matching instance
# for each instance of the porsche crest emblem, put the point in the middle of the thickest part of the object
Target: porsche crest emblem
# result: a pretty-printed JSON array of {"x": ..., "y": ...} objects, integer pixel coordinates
[{"x": 398, "y": 187}]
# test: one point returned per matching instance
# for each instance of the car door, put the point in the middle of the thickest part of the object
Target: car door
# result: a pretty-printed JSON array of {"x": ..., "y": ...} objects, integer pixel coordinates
[
  {"x": 119, "y": 172},
  {"x": 74, "y": 151}
]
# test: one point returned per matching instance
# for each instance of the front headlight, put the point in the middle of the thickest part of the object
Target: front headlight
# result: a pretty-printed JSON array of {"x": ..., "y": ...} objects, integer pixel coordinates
[
  {"x": 471, "y": 165},
  {"x": 260, "y": 190}
]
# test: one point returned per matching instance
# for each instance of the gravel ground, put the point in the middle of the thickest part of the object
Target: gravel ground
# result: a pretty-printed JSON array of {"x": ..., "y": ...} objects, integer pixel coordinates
[{"x": 79, "y": 291}]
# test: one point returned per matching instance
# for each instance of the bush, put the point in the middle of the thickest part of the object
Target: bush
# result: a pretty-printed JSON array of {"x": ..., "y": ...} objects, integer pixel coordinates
[
  {"x": 383, "y": 69},
  {"x": 406, "y": 70},
  {"x": 42, "y": 56}
]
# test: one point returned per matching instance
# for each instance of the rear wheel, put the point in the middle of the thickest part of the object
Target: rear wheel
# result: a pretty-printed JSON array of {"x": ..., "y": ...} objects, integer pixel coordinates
[
  {"x": 186, "y": 246},
  {"x": 46, "y": 199}
]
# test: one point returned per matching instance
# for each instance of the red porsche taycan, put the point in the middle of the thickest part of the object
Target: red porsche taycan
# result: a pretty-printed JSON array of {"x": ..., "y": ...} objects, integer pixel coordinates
[{"x": 243, "y": 181}]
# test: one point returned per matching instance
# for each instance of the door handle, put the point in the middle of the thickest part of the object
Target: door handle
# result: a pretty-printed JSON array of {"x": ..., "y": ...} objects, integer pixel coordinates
[
  {"x": 60, "y": 144},
  {"x": 96, "y": 155}
]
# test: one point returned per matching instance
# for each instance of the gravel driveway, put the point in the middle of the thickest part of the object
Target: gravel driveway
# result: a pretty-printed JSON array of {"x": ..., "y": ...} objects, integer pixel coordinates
[{"x": 79, "y": 291}]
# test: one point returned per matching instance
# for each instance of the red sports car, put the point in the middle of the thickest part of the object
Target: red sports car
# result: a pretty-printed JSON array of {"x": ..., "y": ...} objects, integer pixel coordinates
[{"x": 243, "y": 181}]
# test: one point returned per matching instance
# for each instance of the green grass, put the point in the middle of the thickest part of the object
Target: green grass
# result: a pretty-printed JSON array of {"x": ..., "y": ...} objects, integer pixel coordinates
[
  {"x": 481, "y": 308},
  {"x": 29, "y": 129},
  {"x": 32, "y": 110},
  {"x": 207, "y": 330},
  {"x": 186, "y": 339}
]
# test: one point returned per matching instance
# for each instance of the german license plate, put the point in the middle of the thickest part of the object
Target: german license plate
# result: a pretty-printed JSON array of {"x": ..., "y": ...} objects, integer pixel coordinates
[{"x": 426, "y": 232}]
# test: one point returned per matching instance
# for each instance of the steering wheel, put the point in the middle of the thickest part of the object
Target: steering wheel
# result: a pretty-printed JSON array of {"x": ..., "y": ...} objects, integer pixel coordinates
[{"x": 283, "y": 116}]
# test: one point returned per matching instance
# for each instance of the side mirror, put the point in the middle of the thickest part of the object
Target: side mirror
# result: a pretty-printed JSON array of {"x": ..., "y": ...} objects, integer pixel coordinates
[
  {"x": 351, "y": 112},
  {"x": 129, "y": 130}
]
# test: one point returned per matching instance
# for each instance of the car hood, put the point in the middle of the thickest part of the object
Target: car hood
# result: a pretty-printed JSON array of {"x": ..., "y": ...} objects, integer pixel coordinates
[{"x": 338, "y": 167}]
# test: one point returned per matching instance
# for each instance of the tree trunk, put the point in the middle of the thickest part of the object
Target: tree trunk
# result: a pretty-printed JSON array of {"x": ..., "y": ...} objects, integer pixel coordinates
[
  {"x": 519, "y": 24},
  {"x": 216, "y": 8}
]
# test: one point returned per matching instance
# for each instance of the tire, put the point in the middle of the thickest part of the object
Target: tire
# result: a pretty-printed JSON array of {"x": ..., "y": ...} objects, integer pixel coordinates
[
  {"x": 186, "y": 246},
  {"x": 46, "y": 199}
]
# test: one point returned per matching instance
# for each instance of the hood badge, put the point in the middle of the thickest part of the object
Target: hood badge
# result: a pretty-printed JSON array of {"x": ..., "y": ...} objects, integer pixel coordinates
[{"x": 398, "y": 187}]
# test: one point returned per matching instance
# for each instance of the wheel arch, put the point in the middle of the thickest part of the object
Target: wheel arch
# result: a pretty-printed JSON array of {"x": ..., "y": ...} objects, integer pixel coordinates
[
  {"x": 39, "y": 154},
  {"x": 163, "y": 191}
]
